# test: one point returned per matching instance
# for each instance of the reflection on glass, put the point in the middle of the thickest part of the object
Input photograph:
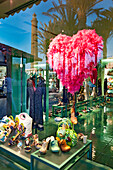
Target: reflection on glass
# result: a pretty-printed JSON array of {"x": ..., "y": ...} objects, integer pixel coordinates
[
  {"x": 3, "y": 85},
  {"x": 16, "y": 85}
]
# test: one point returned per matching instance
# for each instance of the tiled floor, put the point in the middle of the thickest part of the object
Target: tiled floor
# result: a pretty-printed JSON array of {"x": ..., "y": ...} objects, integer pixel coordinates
[{"x": 102, "y": 120}]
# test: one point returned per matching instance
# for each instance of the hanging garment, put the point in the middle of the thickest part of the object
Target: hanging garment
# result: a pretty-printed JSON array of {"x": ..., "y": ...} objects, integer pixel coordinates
[
  {"x": 39, "y": 106},
  {"x": 31, "y": 96}
]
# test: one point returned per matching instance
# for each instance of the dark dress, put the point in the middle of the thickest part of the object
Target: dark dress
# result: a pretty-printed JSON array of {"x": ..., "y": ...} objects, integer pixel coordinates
[
  {"x": 36, "y": 105},
  {"x": 31, "y": 96},
  {"x": 39, "y": 106}
]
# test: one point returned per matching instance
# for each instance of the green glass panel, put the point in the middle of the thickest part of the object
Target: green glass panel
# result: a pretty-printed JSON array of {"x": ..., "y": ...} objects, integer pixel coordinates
[
  {"x": 24, "y": 85},
  {"x": 16, "y": 86}
]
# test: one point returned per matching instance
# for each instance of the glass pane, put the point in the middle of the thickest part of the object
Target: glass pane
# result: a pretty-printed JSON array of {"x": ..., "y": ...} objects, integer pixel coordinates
[
  {"x": 26, "y": 72},
  {"x": 16, "y": 85}
]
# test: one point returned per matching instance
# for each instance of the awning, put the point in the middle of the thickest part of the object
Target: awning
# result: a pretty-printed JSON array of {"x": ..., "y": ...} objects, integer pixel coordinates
[{"x": 10, "y": 7}]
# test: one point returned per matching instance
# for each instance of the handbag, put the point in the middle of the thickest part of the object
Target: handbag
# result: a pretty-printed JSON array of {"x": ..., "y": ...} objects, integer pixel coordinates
[
  {"x": 68, "y": 133},
  {"x": 27, "y": 122},
  {"x": 71, "y": 137}
]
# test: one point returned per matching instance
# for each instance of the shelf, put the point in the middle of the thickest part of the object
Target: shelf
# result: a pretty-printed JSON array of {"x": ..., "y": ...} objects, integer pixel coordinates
[
  {"x": 109, "y": 75},
  {"x": 109, "y": 81}
]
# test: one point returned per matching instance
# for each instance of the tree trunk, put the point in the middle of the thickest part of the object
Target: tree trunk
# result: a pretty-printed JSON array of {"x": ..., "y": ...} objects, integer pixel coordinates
[
  {"x": 81, "y": 20},
  {"x": 105, "y": 49}
]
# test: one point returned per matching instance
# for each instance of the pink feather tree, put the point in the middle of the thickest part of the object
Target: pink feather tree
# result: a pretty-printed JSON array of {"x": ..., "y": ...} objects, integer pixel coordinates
[{"x": 73, "y": 58}]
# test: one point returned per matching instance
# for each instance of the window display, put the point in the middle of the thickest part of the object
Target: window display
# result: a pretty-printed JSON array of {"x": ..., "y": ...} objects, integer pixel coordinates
[
  {"x": 58, "y": 83},
  {"x": 12, "y": 135}
]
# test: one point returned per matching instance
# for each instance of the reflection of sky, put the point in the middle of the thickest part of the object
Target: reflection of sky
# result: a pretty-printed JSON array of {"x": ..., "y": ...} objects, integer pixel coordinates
[
  {"x": 16, "y": 30},
  {"x": 104, "y": 4}
]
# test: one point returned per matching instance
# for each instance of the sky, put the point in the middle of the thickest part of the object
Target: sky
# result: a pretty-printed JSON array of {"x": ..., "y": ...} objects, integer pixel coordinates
[{"x": 15, "y": 30}]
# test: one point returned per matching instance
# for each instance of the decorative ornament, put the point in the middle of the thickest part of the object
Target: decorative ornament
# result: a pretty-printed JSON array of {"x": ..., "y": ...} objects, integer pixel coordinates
[{"x": 73, "y": 58}]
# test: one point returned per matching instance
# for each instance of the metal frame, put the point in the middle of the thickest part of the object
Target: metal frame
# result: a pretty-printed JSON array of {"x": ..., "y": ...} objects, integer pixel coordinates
[
  {"x": 59, "y": 107},
  {"x": 66, "y": 164},
  {"x": 21, "y": 159}
]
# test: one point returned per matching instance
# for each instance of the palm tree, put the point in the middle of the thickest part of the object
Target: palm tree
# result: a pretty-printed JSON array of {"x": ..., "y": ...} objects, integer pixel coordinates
[
  {"x": 104, "y": 27},
  {"x": 47, "y": 32},
  {"x": 66, "y": 17},
  {"x": 72, "y": 11},
  {"x": 84, "y": 9},
  {"x": 65, "y": 22}
]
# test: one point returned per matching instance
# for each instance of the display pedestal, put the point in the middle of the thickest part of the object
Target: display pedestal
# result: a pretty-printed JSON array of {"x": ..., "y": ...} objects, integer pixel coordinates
[
  {"x": 33, "y": 160},
  {"x": 61, "y": 160},
  {"x": 16, "y": 155}
]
